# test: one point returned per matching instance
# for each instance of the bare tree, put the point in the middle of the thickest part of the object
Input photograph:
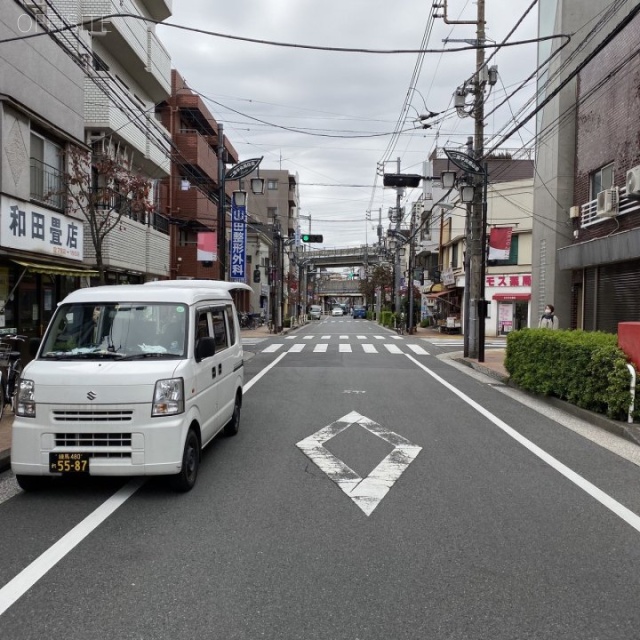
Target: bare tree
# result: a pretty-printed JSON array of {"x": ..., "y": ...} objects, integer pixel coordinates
[
  {"x": 102, "y": 188},
  {"x": 380, "y": 277}
]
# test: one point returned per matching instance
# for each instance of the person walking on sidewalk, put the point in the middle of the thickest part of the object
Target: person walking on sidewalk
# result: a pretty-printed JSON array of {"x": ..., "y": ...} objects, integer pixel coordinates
[{"x": 549, "y": 320}]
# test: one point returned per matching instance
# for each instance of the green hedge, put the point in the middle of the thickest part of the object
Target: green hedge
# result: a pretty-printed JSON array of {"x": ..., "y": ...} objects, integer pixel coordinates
[
  {"x": 585, "y": 368},
  {"x": 386, "y": 318}
]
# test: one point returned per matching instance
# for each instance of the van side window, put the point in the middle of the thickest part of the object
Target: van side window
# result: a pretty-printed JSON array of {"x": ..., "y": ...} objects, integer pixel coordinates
[
  {"x": 230, "y": 324},
  {"x": 219, "y": 327},
  {"x": 202, "y": 326}
]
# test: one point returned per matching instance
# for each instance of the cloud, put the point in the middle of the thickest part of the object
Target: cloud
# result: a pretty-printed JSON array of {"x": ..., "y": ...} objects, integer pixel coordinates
[{"x": 338, "y": 94}]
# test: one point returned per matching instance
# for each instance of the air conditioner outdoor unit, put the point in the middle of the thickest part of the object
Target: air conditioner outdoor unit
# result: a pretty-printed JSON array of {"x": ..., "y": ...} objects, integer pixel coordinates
[
  {"x": 607, "y": 203},
  {"x": 633, "y": 183},
  {"x": 574, "y": 212}
]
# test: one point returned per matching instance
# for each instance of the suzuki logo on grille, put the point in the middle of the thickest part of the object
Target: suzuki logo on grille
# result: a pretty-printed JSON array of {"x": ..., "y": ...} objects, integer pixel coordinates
[{"x": 91, "y": 395}]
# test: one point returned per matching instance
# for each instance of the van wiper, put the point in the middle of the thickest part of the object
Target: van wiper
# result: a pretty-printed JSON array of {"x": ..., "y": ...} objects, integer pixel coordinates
[
  {"x": 91, "y": 355},
  {"x": 153, "y": 354}
]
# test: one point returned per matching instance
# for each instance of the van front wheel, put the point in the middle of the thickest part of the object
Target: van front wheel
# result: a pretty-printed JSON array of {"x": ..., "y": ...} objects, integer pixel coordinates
[{"x": 186, "y": 479}]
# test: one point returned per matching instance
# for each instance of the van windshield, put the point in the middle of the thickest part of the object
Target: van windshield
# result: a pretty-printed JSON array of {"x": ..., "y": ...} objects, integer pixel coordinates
[{"x": 116, "y": 330}]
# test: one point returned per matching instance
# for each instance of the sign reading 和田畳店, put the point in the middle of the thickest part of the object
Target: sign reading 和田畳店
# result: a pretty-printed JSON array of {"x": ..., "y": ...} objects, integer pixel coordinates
[{"x": 32, "y": 228}]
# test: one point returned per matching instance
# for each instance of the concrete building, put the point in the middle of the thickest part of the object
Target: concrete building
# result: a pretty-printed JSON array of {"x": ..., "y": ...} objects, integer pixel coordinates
[
  {"x": 588, "y": 22},
  {"x": 42, "y": 246}
]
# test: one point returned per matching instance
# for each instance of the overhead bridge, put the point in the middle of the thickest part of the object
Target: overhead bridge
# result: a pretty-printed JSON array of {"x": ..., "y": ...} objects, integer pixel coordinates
[{"x": 348, "y": 257}]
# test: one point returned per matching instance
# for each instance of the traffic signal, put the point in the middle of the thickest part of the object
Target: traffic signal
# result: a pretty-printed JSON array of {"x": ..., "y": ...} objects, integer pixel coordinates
[
  {"x": 256, "y": 275},
  {"x": 310, "y": 237}
]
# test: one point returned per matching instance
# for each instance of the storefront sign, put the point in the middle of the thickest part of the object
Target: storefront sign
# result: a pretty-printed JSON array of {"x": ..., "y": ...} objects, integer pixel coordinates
[
  {"x": 238, "y": 241},
  {"x": 509, "y": 280},
  {"x": 28, "y": 227}
]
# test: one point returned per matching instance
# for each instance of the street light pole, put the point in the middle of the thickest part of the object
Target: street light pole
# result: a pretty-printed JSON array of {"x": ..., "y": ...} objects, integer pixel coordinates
[{"x": 222, "y": 223}]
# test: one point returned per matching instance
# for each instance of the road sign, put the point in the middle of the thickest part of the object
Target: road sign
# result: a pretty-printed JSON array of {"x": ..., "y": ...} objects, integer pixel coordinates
[
  {"x": 243, "y": 169},
  {"x": 464, "y": 162}
]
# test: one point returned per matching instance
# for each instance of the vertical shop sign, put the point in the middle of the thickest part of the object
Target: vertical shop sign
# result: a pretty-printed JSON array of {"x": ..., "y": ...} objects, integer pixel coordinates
[{"x": 238, "y": 241}]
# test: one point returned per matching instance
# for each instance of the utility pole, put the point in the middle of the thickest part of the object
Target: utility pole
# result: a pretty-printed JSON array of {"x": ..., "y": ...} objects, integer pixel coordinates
[
  {"x": 396, "y": 262},
  {"x": 476, "y": 287},
  {"x": 222, "y": 199}
]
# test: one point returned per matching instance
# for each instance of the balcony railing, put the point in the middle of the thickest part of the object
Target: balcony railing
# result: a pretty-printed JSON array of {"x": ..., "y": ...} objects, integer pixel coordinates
[{"x": 47, "y": 184}]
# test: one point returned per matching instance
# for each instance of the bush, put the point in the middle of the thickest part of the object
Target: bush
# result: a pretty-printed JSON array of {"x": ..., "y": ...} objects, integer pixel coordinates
[
  {"x": 584, "y": 368},
  {"x": 425, "y": 322},
  {"x": 386, "y": 318}
]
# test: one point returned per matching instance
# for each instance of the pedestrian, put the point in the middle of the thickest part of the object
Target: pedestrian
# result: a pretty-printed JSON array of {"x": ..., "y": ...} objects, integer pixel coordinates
[{"x": 549, "y": 320}]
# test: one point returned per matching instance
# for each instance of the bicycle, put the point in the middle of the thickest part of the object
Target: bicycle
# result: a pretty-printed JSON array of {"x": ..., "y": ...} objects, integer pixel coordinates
[{"x": 10, "y": 369}]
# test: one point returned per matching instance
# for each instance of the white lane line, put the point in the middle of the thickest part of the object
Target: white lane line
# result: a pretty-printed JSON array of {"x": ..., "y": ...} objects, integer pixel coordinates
[
  {"x": 247, "y": 385},
  {"x": 272, "y": 348},
  {"x": 418, "y": 349},
  {"x": 603, "y": 498},
  {"x": 296, "y": 348},
  {"x": 321, "y": 348},
  {"x": 325, "y": 337},
  {"x": 392, "y": 348},
  {"x": 379, "y": 337},
  {"x": 344, "y": 348},
  {"x": 16, "y": 588},
  {"x": 369, "y": 348}
]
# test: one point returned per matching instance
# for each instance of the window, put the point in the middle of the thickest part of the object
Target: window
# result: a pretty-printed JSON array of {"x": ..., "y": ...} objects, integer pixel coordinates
[
  {"x": 601, "y": 179},
  {"x": 46, "y": 171},
  {"x": 272, "y": 185},
  {"x": 454, "y": 256},
  {"x": 272, "y": 212},
  {"x": 219, "y": 328},
  {"x": 232, "y": 332}
]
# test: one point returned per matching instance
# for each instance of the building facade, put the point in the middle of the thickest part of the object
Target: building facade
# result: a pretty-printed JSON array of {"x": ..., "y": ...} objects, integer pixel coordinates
[{"x": 603, "y": 257}]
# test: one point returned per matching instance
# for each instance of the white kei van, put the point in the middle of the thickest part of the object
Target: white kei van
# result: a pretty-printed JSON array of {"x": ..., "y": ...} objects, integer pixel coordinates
[{"x": 130, "y": 380}]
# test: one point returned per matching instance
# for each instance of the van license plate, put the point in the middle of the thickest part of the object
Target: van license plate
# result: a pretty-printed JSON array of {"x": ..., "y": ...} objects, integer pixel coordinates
[{"x": 69, "y": 462}]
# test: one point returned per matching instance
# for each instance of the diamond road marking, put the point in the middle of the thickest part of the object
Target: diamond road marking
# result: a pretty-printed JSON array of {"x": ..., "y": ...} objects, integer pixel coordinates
[
  {"x": 296, "y": 348},
  {"x": 321, "y": 348},
  {"x": 369, "y": 348},
  {"x": 418, "y": 349},
  {"x": 392, "y": 348},
  {"x": 344, "y": 348},
  {"x": 367, "y": 492},
  {"x": 272, "y": 348}
]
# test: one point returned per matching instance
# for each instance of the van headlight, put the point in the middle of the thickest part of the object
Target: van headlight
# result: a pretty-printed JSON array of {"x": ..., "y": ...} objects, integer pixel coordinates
[
  {"x": 25, "y": 404},
  {"x": 168, "y": 397}
]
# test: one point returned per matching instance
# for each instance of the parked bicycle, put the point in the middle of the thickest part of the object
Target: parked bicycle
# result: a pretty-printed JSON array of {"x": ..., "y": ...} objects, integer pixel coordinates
[{"x": 10, "y": 369}]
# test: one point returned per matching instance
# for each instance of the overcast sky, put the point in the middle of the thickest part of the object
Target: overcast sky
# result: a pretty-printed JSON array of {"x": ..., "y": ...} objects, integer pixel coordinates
[{"x": 261, "y": 92}]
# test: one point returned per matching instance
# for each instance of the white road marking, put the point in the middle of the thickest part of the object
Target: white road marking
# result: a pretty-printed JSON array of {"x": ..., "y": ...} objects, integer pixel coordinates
[
  {"x": 418, "y": 349},
  {"x": 325, "y": 337},
  {"x": 392, "y": 348},
  {"x": 603, "y": 498},
  {"x": 361, "y": 337},
  {"x": 367, "y": 493},
  {"x": 272, "y": 348},
  {"x": 247, "y": 385},
  {"x": 296, "y": 348},
  {"x": 290, "y": 337},
  {"x": 353, "y": 391},
  {"x": 344, "y": 348},
  {"x": 321, "y": 348},
  {"x": 344, "y": 337},
  {"x": 396, "y": 337},
  {"x": 307, "y": 337},
  {"x": 369, "y": 348},
  {"x": 16, "y": 588},
  {"x": 379, "y": 337}
]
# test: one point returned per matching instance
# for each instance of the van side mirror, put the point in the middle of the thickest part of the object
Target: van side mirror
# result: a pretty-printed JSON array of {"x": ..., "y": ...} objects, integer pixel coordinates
[{"x": 205, "y": 348}]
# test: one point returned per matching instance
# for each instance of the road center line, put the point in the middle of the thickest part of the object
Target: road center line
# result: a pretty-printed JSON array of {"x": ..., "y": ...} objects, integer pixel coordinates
[
  {"x": 603, "y": 498},
  {"x": 16, "y": 588}
]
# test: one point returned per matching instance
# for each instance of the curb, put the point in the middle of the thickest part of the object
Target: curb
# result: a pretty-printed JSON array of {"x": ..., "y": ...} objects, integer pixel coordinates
[
  {"x": 5, "y": 460},
  {"x": 629, "y": 432}
]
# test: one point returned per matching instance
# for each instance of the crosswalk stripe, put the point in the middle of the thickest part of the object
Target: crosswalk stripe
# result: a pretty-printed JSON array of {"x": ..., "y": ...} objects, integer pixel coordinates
[
  {"x": 392, "y": 348},
  {"x": 418, "y": 349},
  {"x": 396, "y": 337},
  {"x": 321, "y": 347},
  {"x": 344, "y": 337},
  {"x": 344, "y": 348},
  {"x": 369, "y": 348},
  {"x": 325, "y": 337},
  {"x": 307, "y": 337},
  {"x": 296, "y": 348},
  {"x": 379, "y": 337},
  {"x": 272, "y": 348},
  {"x": 362, "y": 337},
  {"x": 290, "y": 338}
]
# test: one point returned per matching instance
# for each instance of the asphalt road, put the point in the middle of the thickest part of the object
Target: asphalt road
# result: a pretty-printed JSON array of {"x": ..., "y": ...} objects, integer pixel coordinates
[{"x": 372, "y": 493}]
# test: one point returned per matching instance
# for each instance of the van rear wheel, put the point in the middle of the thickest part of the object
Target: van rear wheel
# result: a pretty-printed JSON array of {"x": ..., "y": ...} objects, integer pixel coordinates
[
  {"x": 186, "y": 479},
  {"x": 231, "y": 428}
]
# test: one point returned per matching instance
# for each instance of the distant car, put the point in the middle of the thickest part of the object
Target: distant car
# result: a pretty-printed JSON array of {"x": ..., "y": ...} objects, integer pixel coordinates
[
  {"x": 359, "y": 312},
  {"x": 337, "y": 311},
  {"x": 315, "y": 312}
]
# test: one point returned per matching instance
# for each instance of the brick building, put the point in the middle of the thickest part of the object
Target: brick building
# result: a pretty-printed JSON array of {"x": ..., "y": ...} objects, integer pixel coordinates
[{"x": 604, "y": 255}]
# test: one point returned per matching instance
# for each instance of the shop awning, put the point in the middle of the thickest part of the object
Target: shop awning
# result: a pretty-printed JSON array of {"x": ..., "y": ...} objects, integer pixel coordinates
[
  {"x": 511, "y": 297},
  {"x": 55, "y": 270}
]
